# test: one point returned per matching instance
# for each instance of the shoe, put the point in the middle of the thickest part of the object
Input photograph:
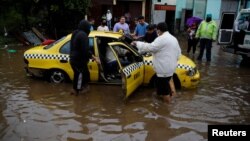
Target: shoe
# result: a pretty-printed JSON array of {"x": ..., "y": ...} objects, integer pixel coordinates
[
  {"x": 109, "y": 78},
  {"x": 112, "y": 76},
  {"x": 118, "y": 75}
]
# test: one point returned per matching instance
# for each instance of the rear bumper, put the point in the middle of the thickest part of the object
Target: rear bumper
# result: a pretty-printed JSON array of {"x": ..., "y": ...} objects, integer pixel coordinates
[{"x": 34, "y": 72}]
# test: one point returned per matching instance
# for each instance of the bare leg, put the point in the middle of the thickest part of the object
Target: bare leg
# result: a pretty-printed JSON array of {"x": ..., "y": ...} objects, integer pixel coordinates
[
  {"x": 167, "y": 99},
  {"x": 172, "y": 86}
]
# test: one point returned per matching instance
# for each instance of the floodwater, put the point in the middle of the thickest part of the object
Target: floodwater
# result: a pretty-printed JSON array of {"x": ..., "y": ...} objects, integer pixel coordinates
[{"x": 35, "y": 110}]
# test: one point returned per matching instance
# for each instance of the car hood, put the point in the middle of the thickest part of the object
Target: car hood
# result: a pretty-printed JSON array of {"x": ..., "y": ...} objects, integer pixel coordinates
[
  {"x": 183, "y": 60},
  {"x": 186, "y": 61}
]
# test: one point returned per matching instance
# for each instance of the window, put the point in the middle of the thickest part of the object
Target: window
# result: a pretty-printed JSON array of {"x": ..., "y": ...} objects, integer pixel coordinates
[
  {"x": 91, "y": 45},
  {"x": 65, "y": 49},
  {"x": 243, "y": 21},
  {"x": 126, "y": 56},
  {"x": 51, "y": 45}
]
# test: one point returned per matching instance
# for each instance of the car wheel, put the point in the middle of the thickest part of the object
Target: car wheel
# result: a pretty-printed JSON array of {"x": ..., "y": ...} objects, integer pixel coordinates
[
  {"x": 57, "y": 76},
  {"x": 245, "y": 57}
]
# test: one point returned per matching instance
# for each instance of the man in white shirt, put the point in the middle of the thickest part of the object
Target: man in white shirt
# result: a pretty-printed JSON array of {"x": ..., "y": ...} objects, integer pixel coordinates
[
  {"x": 103, "y": 26},
  {"x": 109, "y": 18},
  {"x": 166, "y": 52}
]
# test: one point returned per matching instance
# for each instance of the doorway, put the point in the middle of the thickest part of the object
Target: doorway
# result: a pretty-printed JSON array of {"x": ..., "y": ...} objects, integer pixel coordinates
[{"x": 170, "y": 20}]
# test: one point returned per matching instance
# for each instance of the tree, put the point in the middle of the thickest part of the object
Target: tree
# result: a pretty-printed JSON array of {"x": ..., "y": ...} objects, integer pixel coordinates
[
  {"x": 54, "y": 15},
  {"x": 79, "y": 5}
]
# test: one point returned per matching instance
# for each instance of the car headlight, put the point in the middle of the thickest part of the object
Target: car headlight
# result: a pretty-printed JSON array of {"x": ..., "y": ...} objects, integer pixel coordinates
[{"x": 192, "y": 71}]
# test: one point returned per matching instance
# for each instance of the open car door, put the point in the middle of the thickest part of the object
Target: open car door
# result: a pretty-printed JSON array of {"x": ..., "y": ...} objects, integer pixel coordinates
[
  {"x": 226, "y": 28},
  {"x": 130, "y": 65},
  {"x": 93, "y": 66}
]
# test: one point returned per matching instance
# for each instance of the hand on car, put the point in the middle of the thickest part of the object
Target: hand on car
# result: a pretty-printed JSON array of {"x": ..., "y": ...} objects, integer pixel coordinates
[
  {"x": 133, "y": 43},
  {"x": 97, "y": 59}
]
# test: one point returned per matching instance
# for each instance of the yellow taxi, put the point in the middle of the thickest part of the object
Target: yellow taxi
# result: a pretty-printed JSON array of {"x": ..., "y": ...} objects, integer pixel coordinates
[{"x": 133, "y": 69}]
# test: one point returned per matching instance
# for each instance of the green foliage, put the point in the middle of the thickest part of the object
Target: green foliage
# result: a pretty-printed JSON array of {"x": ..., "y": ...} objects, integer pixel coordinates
[
  {"x": 53, "y": 15},
  {"x": 10, "y": 20},
  {"x": 54, "y": 8},
  {"x": 78, "y": 5}
]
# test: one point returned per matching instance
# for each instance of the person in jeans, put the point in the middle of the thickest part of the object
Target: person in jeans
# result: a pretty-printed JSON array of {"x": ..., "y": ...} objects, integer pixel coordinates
[{"x": 207, "y": 32}]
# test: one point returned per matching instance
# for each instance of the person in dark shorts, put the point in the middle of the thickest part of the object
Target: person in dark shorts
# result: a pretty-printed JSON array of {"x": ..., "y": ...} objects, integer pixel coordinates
[
  {"x": 162, "y": 86},
  {"x": 166, "y": 52}
]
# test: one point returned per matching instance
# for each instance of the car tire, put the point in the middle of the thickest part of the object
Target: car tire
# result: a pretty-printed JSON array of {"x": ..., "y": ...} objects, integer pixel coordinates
[
  {"x": 245, "y": 57},
  {"x": 57, "y": 76}
]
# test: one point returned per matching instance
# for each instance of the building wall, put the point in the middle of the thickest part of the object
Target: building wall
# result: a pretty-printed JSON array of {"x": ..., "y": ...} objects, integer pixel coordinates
[
  {"x": 213, "y": 7},
  {"x": 200, "y": 7},
  {"x": 180, "y": 4},
  {"x": 160, "y": 15},
  {"x": 169, "y": 2}
]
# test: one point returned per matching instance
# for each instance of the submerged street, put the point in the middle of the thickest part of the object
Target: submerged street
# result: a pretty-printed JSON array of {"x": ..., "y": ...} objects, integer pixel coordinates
[{"x": 36, "y": 110}]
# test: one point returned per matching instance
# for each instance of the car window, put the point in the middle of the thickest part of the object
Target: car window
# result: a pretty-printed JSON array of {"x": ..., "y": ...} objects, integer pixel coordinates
[
  {"x": 125, "y": 55},
  {"x": 127, "y": 39},
  {"x": 243, "y": 22},
  {"x": 51, "y": 45},
  {"x": 91, "y": 45},
  {"x": 65, "y": 49}
]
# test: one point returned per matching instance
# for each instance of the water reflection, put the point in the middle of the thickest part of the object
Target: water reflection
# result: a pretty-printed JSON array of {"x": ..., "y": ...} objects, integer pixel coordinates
[{"x": 33, "y": 109}]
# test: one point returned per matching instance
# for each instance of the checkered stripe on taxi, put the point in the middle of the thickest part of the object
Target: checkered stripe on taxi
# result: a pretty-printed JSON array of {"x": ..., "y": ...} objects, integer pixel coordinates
[
  {"x": 129, "y": 69},
  {"x": 47, "y": 56},
  {"x": 148, "y": 62},
  {"x": 181, "y": 66},
  {"x": 50, "y": 56},
  {"x": 186, "y": 67}
]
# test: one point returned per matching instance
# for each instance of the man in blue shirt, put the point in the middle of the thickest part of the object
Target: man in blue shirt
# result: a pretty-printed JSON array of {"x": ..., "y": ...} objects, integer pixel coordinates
[{"x": 141, "y": 27}]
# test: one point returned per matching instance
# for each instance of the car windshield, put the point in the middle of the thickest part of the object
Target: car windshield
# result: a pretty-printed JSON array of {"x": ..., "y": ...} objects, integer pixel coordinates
[
  {"x": 128, "y": 39},
  {"x": 51, "y": 45}
]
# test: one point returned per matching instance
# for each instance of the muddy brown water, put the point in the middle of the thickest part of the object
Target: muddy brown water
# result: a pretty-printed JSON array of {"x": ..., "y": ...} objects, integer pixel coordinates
[{"x": 35, "y": 110}]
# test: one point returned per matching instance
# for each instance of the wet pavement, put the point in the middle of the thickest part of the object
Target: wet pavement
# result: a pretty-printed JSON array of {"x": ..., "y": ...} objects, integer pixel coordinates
[{"x": 35, "y": 110}]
